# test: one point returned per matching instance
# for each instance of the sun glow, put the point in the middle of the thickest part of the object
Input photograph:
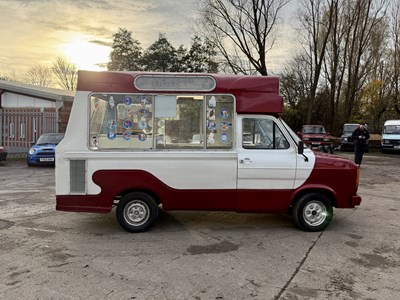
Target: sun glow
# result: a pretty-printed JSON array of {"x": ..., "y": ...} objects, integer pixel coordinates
[{"x": 86, "y": 55}]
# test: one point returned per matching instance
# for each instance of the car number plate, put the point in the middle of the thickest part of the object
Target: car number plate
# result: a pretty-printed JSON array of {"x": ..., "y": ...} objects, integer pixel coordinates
[{"x": 47, "y": 159}]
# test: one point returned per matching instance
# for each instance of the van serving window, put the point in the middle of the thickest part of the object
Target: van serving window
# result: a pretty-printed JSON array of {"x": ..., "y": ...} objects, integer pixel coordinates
[{"x": 145, "y": 121}]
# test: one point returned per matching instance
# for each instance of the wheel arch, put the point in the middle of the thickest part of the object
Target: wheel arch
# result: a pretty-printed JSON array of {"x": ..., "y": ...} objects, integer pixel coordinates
[
  {"x": 326, "y": 191},
  {"x": 150, "y": 192}
]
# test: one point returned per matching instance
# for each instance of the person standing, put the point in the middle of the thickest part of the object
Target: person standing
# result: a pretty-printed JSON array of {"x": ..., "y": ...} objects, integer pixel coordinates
[{"x": 360, "y": 138}]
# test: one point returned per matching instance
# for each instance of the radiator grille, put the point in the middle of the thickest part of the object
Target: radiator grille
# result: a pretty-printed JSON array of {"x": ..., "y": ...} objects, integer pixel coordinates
[{"x": 77, "y": 176}]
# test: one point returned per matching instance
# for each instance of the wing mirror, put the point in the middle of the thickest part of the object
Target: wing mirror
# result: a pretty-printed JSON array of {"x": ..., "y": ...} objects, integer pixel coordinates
[{"x": 300, "y": 148}]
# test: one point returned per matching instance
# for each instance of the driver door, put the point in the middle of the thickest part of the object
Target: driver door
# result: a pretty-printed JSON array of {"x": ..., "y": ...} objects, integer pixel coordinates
[{"x": 266, "y": 165}]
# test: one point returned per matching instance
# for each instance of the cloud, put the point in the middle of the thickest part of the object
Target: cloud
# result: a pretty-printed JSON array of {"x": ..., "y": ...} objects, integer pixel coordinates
[
  {"x": 34, "y": 32},
  {"x": 35, "y": 29}
]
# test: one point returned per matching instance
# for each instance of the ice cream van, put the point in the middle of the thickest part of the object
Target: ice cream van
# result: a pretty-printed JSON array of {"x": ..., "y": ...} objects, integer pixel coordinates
[{"x": 141, "y": 142}]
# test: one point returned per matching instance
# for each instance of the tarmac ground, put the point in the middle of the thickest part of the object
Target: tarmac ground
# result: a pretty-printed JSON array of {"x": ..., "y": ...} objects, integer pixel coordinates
[{"x": 47, "y": 254}]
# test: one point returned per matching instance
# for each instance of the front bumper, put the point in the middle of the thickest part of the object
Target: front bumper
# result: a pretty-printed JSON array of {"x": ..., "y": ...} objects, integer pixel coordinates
[
  {"x": 40, "y": 160},
  {"x": 390, "y": 147},
  {"x": 355, "y": 200}
]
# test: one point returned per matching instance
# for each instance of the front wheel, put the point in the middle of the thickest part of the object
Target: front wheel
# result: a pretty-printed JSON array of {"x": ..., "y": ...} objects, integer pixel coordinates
[
  {"x": 313, "y": 212},
  {"x": 136, "y": 211}
]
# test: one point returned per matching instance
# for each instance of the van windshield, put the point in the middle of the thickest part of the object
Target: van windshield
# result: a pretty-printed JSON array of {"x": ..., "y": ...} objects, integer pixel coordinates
[
  {"x": 349, "y": 128},
  {"x": 314, "y": 130},
  {"x": 392, "y": 129}
]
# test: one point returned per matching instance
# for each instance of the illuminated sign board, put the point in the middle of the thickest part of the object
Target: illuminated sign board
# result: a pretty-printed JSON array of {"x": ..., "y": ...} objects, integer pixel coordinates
[{"x": 174, "y": 83}]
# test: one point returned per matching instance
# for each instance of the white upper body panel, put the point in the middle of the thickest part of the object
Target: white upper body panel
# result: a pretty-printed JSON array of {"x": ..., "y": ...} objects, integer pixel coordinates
[{"x": 237, "y": 168}]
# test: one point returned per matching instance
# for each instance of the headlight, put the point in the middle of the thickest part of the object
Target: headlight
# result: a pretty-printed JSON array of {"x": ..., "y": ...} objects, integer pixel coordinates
[
  {"x": 31, "y": 151},
  {"x": 344, "y": 139},
  {"x": 326, "y": 140},
  {"x": 305, "y": 139}
]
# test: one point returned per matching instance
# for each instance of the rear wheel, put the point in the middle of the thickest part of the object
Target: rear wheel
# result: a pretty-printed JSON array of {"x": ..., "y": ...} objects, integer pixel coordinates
[
  {"x": 137, "y": 211},
  {"x": 313, "y": 212}
]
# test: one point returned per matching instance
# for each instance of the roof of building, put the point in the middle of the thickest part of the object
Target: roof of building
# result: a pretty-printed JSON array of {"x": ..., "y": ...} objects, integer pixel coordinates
[{"x": 36, "y": 91}]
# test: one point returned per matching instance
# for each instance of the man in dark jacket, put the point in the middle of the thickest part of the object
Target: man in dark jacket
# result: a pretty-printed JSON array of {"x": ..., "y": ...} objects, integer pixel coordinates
[{"x": 360, "y": 137}]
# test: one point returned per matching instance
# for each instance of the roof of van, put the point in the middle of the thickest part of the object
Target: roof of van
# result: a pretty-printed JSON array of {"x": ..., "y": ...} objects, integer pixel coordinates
[
  {"x": 254, "y": 94},
  {"x": 392, "y": 122}
]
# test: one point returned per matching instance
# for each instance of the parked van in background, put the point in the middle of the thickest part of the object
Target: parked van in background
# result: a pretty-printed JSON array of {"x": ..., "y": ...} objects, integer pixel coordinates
[
  {"x": 346, "y": 140},
  {"x": 213, "y": 142},
  {"x": 391, "y": 136}
]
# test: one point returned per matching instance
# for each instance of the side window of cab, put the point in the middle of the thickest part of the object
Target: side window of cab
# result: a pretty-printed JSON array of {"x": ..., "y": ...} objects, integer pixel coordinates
[{"x": 258, "y": 133}]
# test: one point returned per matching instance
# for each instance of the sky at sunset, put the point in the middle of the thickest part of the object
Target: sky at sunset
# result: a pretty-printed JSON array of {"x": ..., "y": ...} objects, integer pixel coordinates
[{"x": 35, "y": 32}]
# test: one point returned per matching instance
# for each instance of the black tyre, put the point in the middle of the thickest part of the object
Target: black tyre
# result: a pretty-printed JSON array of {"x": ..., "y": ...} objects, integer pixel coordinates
[
  {"x": 136, "y": 211},
  {"x": 313, "y": 212}
]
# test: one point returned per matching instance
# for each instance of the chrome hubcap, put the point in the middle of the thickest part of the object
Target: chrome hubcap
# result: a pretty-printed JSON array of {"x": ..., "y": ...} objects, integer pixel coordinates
[
  {"x": 315, "y": 213},
  {"x": 136, "y": 213}
]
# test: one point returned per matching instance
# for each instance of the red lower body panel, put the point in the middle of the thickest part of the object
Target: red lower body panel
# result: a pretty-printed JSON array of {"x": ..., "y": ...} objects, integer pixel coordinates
[{"x": 117, "y": 182}]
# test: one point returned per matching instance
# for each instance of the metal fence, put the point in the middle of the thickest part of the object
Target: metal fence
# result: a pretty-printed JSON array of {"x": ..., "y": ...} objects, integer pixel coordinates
[{"x": 20, "y": 128}]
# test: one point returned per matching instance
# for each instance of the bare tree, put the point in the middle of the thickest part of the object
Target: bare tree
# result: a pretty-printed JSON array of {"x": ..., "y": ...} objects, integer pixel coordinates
[
  {"x": 241, "y": 30},
  {"x": 317, "y": 18},
  {"x": 66, "y": 73},
  {"x": 365, "y": 18},
  {"x": 13, "y": 76},
  {"x": 295, "y": 84},
  {"x": 395, "y": 54},
  {"x": 343, "y": 42},
  {"x": 334, "y": 64},
  {"x": 39, "y": 75}
]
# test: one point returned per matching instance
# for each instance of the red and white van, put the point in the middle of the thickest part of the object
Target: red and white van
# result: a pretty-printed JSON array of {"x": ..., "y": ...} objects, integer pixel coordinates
[{"x": 192, "y": 142}]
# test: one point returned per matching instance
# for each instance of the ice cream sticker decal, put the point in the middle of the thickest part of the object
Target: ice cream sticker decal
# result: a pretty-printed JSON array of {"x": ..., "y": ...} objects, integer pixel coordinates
[
  {"x": 111, "y": 124},
  {"x": 224, "y": 114},
  {"x": 224, "y": 138},
  {"x": 212, "y": 102},
  {"x": 127, "y": 135},
  {"x": 127, "y": 124},
  {"x": 128, "y": 101},
  {"x": 142, "y": 137},
  {"x": 211, "y": 125},
  {"x": 111, "y": 102},
  {"x": 142, "y": 124},
  {"x": 143, "y": 101},
  {"x": 210, "y": 138},
  {"x": 111, "y": 135},
  {"x": 224, "y": 125},
  {"x": 129, "y": 112},
  {"x": 143, "y": 112}
]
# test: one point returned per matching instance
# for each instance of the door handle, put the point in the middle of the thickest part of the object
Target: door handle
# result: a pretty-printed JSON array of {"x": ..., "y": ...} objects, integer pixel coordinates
[{"x": 245, "y": 161}]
